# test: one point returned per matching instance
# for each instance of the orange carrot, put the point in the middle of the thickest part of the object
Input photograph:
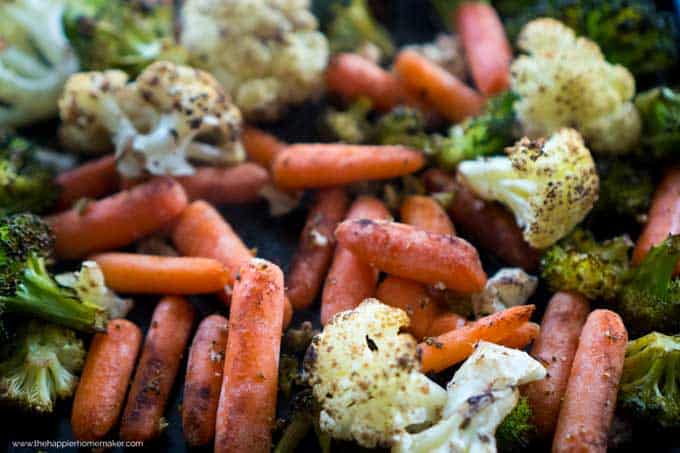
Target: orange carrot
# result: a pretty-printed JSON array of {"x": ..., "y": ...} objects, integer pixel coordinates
[
  {"x": 104, "y": 380},
  {"x": 164, "y": 345},
  {"x": 238, "y": 184},
  {"x": 349, "y": 280},
  {"x": 92, "y": 180},
  {"x": 445, "y": 321},
  {"x": 260, "y": 146},
  {"x": 203, "y": 380},
  {"x": 426, "y": 214},
  {"x": 590, "y": 399},
  {"x": 488, "y": 224},
  {"x": 314, "y": 165},
  {"x": 522, "y": 336},
  {"x": 287, "y": 312},
  {"x": 664, "y": 216},
  {"x": 118, "y": 220},
  {"x": 444, "y": 351},
  {"x": 555, "y": 348},
  {"x": 405, "y": 251},
  {"x": 353, "y": 76},
  {"x": 412, "y": 297},
  {"x": 315, "y": 251},
  {"x": 486, "y": 47},
  {"x": 153, "y": 274},
  {"x": 437, "y": 87},
  {"x": 202, "y": 231},
  {"x": 247, "y": 407}
]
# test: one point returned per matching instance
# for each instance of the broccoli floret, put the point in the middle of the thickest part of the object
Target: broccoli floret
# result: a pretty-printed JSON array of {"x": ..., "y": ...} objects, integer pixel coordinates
[
  {"x": 353, "y": 27},
  {"x": 549, "y": 184},
  {"x": 660, "y": 112},
  {"x": 625, "y": 190},
  {"x": 649, "y": 300},
  {"x": 483, "y": 135},
  {"x": 516, "y": 431},
  {"x": 351, "y": 125},
  {"x": 579, "y": 263},
  {"x": 650, "y": 384},
  {"x": 304, "y": 416},
  {"x": 27, "y": 287},
  {"x": 41, "y": 365},
  {"x": 26, "y": 183},
  {"x": 127, "y": 35},
  {"x": 406, "y": 126},
  {"x": 632, "y": 33}
]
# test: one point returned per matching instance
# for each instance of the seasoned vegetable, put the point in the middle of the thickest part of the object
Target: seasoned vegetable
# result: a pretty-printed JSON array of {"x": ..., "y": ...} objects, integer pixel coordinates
[
  {"x": 509, "y": 287},
  {"x": 660, "y": 112},
  {"x": 353, "y": 28},
  {"x": 350, "y": 125},
  {"x": 517, "y": 430},
  {"x": 625, "y": 190}
]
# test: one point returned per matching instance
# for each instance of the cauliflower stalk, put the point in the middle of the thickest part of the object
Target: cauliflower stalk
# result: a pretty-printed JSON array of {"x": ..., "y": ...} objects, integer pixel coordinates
[
  {"x": 267, "y": 54},
  {"x": 169, "y": 116},
  {"x": 364, "y": 373},
  {"x": 550, "y": 185},
  {"x": 35, "y": 60},
  {"x": 565, "y": 81},
  {"x": 480, "y": 395},
  {"x": 509, "y": 287}
]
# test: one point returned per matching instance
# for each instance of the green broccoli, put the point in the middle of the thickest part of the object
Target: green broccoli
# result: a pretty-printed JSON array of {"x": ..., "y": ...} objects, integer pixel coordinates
[
  {"x": 353, "y": 27},
  {"x": 404, "y": 126},
  {"x": 304, "y": 416},
  {"x": 516, "y": 431},
  {"x": 351, "y": 125},
  {"x": 650, "y": 384},
  {"x": 579, "y": 263},
  {"x": 26, "y": 183},
  {"x": 660, "y": 112},
  {"x": 649, "y": 299},
  {"x": 625, "y": 190},
  {"x": 40, "y": 365},
  {"x": 483, "y": 135},
  {"x": 27, "y": 287},
  {"x": 126, "y": 35},
  {"x": 632, "y": 33}
]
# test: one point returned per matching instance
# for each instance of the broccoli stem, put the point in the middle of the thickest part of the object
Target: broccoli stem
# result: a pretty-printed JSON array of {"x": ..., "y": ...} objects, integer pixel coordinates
[{"x": 294, "y": 434}]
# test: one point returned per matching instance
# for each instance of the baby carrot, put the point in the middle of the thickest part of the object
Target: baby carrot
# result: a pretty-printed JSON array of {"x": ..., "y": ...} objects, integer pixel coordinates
[
  {"x": 555, "y": 348},
  {"x": 426, "y": 214},
  {"x": 118, "y": 220},
  {"x": 315, "y": 251},
  {"x": 104, "y": 381},
  {"x": 590, "y": 399},
  {"x": 288, "y": 312},
  {"x": 444, "y": 351},
  {"x": 203, "y": 380},
  {"x": 164, "y": 345},
  {"x": 260, "y": 146},
  {"x": 238, "y": 184},
  {"x": 437, "y": 87},
  {"x": 314, "y": 165},
  {"x": 412, "y": 297},
  {"x": 247, "y": 407},
  {"x": 202, "y": 231},
  {"x": 92, "y": 180},
  {"x": 486, "y": 47},
  {"x": 349, "y": 280},
  {"x": 664, "y": 216},
  {"x": 522, "y": 336},
  {"x": 445, "y": 321},
  {"x": 154, "y": 274},
  {"x": 405, "y": 251}
]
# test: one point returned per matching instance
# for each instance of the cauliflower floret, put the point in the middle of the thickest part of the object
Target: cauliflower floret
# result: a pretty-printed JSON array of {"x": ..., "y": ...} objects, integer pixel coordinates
[
  {"x": 509, "y": 287},
  {"x": 266, "y": 53},
  {"x": 35, "y": 60},
  {"x": 364, "y": 373},
  {"x": 171, "y": 114},
  {"x": 565, "y": 81},
  {"x": 480, "y": 395},
  {"x": 550, "y": 185}
]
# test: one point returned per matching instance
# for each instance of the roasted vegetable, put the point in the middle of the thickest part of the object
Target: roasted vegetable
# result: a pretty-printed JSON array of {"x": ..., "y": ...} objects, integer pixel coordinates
[
  {"x": 516, "y": 431},
  {"x": 660, "y": 112},
  {"x": 353, "y": 28},
  {"x": 625, "y": 190},
  {"x": 350, "y": 125}
]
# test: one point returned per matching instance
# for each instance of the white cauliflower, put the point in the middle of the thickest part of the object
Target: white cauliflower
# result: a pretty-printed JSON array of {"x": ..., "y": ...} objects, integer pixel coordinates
[
  {"x": 267, "y": 54},
  {"x": 565, "y": 81},
  {"x": 365, "y": 375},
  {"x": 169, "y": 116},
  {"x": 509, "y": 287},
  {"x": 481, "y": 394},
  {"x": 550, "y": 185},
  {"x": 35, "y": 60}
]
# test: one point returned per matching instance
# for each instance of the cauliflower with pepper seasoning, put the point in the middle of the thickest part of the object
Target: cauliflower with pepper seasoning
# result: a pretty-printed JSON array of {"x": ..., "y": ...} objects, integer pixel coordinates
[
  {"x": 364, "y": 373},
  {"x": 549, "y": 184},
  {"x": 267, "y": 54},
  {"x": 481, "y": 394},
  {"x": 565, "y": 81},
  {"x": 169, "y": 116}
]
